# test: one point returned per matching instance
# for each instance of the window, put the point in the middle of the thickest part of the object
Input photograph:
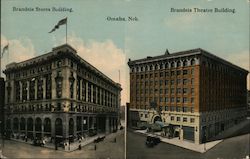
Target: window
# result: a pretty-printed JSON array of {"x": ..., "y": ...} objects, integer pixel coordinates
[
  {"x": 178, "y": 118},
  {"x": 172, "y": 118},
  {"x": 166, "y": 82},
  {"x": 161, "y": 82},
  {"x": 185, "y": 109},
  {"x": 166, "y": 74},
  {"x": 178, "y": 90},
  {"x": 172, "y": 90},
  {"x": 161, "y": 91},
  {"x": 178, "y": 72},
  {"x": 172, "y": 108},
  {"x": 178, "y": 99},
  {"x": 192, "y": 120},
  {"x": 172, "y": 99},
  {"x": 166, "y": 108},
  {"x": 161, "y": 74},
  {"x": 192, "y": 81},
  {"x": 185, "y": 72},
  {"x": 184, "y": 119},
  {"x": 146, "y": 115},
  {"x": 185, "y": 90},
  {"x": 192, "y": 100},
  {"x": 156, "y": 74},
  {"x": 178, "y": 109},
  {"x": 192, "y": 109},
  {"x": 161, "y": 99},
  {"x": 172, "y": 82},
  {"x": 178, "y": 81},
  {"x": 141, "y": 115},
  {"x": 185, "y": 81},
  {"x": 172, "y": 73},
  {"x": 192, "y": 71},
  {"x": 166, "y": 91},
  {"x": 166, "y": 99},
  {"x": 185, "y": 100},
  {"x": 59, "y": 63},
  {"x": 192, "y": 91}
]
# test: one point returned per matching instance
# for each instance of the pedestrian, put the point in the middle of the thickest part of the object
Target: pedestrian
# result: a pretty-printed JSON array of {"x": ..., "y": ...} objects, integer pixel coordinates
[{"x": 80, "y": 147}]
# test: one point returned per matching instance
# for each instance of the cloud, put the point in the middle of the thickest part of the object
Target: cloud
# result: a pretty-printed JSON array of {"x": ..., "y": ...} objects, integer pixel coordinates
[
  {"x": 19, "y": 50},
  {"x": 106, "y": 57}
]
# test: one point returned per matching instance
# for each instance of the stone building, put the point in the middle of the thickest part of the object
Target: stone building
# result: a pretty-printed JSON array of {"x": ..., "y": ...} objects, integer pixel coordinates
[
  {"x": 193, "y": 92},
  {"x": 59, "y": 96}
]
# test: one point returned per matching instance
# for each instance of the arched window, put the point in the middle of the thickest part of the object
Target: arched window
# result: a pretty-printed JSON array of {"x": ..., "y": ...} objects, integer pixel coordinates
[
  {"x": 47, "y": 125},
  {"x": 58, "y": 127},
  {"x": 71, "y": 126},
  {"x": 30, "y": 124},
  {"x": 38, "y": 124},
  {"x": 22, "y": 124}
]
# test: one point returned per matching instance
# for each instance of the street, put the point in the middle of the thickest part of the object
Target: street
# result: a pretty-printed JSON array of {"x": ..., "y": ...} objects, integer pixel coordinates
[
  {"x": 105, "y": 149},
  {"x": 236, "y": 147}
]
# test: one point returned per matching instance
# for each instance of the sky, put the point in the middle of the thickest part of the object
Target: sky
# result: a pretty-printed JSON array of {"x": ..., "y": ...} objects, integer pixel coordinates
[{"x": 108, "y": 45}]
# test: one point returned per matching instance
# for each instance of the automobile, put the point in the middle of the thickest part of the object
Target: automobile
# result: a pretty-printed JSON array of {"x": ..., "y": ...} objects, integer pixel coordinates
[
  {"x": 38, "y": 142},
  {"x": 99, "y": 139},
  {"x": 151, "y": 141}
]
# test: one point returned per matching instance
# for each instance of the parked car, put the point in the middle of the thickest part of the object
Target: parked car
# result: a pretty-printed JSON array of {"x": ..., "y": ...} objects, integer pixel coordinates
[
  {"x": 38, "y": 142},
  {"x": 99, "y": 139},
  {"x": 151, "y": 141}
]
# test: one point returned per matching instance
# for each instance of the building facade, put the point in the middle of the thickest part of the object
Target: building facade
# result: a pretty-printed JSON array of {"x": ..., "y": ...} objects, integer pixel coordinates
[
  {"x": 194, "y": 91},
  {"x": 59, "y": 96}
]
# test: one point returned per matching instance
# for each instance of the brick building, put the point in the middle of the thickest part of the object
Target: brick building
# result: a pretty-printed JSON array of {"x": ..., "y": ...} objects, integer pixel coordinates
[
  {"x": 59, "y": 96},
  {"x": 195, "y": 92}
]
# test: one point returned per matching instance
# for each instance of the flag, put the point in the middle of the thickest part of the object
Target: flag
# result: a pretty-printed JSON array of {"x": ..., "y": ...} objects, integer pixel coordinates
[
  {"x": 61, "y": 22},
  {"x": 5, "y": 49}
]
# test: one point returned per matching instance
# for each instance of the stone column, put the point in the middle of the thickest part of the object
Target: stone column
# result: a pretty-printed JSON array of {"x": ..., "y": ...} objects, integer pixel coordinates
[
  {"x": 28, "y": 90},
  {"x": 88, "y": 123},
  {"x": 34, "y": 128},
  {"x": 80, "y": 93},
  {"x": 87, "y": 87},
  {"x": 101, "y": 102},
  {"x": 107, "y": 126},
  {"x": 92, "y": 93},
  {"x": 35, "y": 88},
  {"x": 96, "y": 94},
  {"x": 21, "y": 90},
  {"x": 42, "y": 128},
  {"x": 44, "y": 88},
  {"x": 26, "y": 126},
  {"x": 75, "y": 130}
]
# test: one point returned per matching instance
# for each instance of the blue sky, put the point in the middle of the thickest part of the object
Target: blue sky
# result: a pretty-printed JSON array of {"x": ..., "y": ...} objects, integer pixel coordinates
[{"x": 223, "y": 34}]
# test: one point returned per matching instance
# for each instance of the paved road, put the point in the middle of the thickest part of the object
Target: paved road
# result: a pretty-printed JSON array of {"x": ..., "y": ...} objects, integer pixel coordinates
[
  {"x": 231, "y": 148},
  {"x": 105, "y": 149}
]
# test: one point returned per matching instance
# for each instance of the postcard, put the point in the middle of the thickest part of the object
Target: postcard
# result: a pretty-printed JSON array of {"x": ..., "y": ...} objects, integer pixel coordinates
[{"x": 125, "y": 79}]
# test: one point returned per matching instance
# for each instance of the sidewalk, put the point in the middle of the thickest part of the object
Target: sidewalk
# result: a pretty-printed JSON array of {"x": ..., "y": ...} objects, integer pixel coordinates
[
  {"x": 185, "y": 144},
  {"x": 75, "y": 146}
]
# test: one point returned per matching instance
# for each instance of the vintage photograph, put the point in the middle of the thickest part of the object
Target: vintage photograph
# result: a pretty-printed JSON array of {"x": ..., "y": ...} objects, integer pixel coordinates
[{"x": 125, "y": 79}]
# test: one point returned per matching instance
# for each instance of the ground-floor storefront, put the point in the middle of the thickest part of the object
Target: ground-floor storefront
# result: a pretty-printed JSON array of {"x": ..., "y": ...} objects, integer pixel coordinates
[{"x": 59, "y": 128}]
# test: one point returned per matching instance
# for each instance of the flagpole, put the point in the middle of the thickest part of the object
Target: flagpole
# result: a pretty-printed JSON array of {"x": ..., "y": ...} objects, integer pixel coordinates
[
  {"x": 66, "y": 32},
  {"x": 1, "y": 64}
]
